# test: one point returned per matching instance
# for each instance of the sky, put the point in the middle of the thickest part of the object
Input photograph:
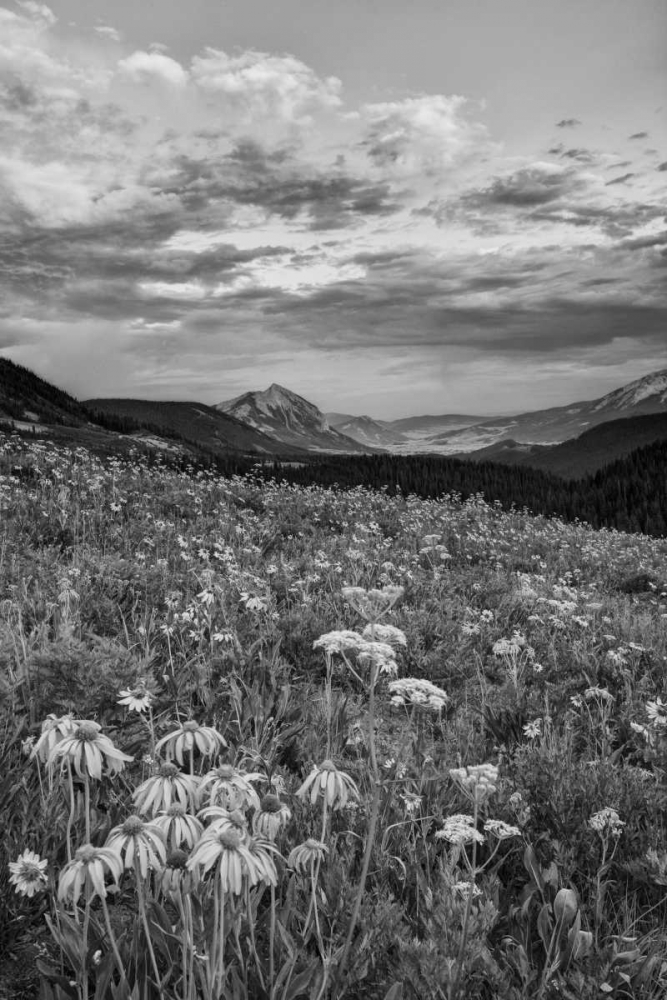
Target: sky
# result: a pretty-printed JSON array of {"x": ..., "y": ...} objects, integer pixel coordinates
[{"x": 447, "y": 206}]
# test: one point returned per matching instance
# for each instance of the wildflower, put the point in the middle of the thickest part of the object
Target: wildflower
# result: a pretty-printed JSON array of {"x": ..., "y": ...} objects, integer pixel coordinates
[
  {"x": 225, "y": 786},
  {"x": 224, "y": 819},
  {"x": 304, "y": 856},
  {"x": 54, "y": 730},
  {"x": 88, "y": 869},
  {"x": 533, "y": 729},
  {"x": 600, "y": 693},
  {"x": 175, "y": 875},
  {"x": 162, "y": 790},
  {"x": 411, "y": 802},
  {"x": 337, "y": 788},
  {"x": 464, "y": 889},
  {"x": 657, "y": 712},
  {"x": 372, "y": 604},
  {"x": 137, "y": 699},
  {"x": 477, "y": 781},
  {"x": 138, "y": 844},
  {"x": 459, "y": 829},
  {"x": 87, "y": 749},
  {"x": 226, "y": 851},
  {"x": 28, "y": 873},
  {"x": 385, "y": 633},
  {"x": 607, "y": 820},
  {"x": 501, "y": 830},
  {"x": 188, "y": 737},
  {"x": 418, "y": 692},
  {"x": 271, "y": 817},
  {"x": 379, "y": 655},
  {"x": 178, "y": 827}
]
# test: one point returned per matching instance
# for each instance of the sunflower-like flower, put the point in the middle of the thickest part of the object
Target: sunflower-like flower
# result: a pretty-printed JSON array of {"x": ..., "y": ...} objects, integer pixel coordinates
[
  {"x": 220, "y": 818},
  {"x": 162, "y": 790},
  {"x": 88, "y": 751},
  {"x": 271, "y": 817},
  {"x": 227, "y": 787},
  {"x": 138, "y": 844},
  {"x": 304, "y": 857},
  {"x": 28, "y": 873},
  {"x": 336, "y": 787},
  {"x": 88, "y": 869},
  {"x": 175, "y": 874},
  {"x": 136, "y": 699},
  {"x": 54, "y": 730},
  {"x": 226, "y": 851},
  {"x": 178, "y": 827},
  {"x": 188, "y": 737}
]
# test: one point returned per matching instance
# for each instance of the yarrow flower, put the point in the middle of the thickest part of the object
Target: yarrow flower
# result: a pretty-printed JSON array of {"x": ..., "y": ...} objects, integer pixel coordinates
[
  {"x": 478, "y": 781},
  {"x": 460, "y": 829},
  {"x": 379, "y": 655},
  {"x": 89, "y": 751},
  {"x": 501, "y": 830},
  {"x": 372, "y": 604},
  {"x": 607, "y": 821},
  {"x": 28, "y": 873},
  {"x": 464, "y": 889},
  {"x": 336, "y": 787},
  {"x": 385, "y": 633},
  {"x": 342, "y": 641},
  {"x": 188, "y": 737},
  {"x": 418, "y": 692}
]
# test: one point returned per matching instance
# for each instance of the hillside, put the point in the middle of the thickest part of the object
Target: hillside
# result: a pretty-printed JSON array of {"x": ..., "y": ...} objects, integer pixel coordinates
[
  {"x": 193, "y": 423},
  {"x": 581, "y": 456},
  {"x": 29, "y": 399}
]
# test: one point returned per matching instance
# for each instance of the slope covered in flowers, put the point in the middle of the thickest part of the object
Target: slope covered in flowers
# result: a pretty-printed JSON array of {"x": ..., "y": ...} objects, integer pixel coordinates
[{"x": 261, "y": 740}]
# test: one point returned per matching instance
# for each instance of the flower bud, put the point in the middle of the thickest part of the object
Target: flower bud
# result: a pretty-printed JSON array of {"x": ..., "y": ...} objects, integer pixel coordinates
[{"x": 566, "y": 905}]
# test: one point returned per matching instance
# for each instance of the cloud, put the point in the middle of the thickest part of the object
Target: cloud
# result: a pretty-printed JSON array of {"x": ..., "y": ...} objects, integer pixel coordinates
[
  {"x": 259, "y": 84},
  {"x": 620, "y": 180},
  {"x": 638, "y": 135},
  {"x": 428, "y": 133},
  {"x": 663, "y": 166},
  {"x": 568, "y": 123},
  {"x": 38, "y": 12},
  {"x": 146, "y": 66},
  {"x": 104, "y": 31},
  {"x": 537, "y": 184}
]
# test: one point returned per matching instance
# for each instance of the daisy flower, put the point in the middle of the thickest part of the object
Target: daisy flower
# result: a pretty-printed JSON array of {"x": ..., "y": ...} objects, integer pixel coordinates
[
  {"x": 88, "y": 751},
  {"x": 138, "y": 844},
  {"x": 188, "y": 737},
  {"x": 28, "y": 873},
  {"x": 169, "y": 786},
  {"x": 88, "y": 869},
  {"x": 337, "y": 788},
  {"x": 136, "y": 699}
]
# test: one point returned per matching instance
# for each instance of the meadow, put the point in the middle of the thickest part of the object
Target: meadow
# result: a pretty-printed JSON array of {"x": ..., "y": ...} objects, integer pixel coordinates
[{"x": 265, "y": 742}]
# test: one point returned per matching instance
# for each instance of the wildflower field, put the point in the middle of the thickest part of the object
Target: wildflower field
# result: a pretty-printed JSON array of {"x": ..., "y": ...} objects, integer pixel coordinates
[{"x": 270, "y": 742}]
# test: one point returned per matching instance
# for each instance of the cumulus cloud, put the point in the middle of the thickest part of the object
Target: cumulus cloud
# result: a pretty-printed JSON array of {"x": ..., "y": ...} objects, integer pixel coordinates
[
  {"x": 260, "y": 84},
  {"x": 38, "y": 11},
  {"x": 147, "y": 66},
  {"x": 105, "y": 31}
]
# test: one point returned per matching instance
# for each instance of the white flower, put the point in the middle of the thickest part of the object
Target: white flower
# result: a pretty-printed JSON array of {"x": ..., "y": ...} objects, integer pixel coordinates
[
  {"x": 501, "y": 830},
  {"x": 459, "y": 829},
  {"x": 418, "y": 692},
  {"x": 607, "y": 820},
  {"x": 28, "y": 873}
]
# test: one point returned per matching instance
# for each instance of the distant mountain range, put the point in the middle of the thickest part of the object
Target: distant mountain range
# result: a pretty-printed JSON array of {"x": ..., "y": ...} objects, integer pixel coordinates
[{"x": 569, "y": 441}]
